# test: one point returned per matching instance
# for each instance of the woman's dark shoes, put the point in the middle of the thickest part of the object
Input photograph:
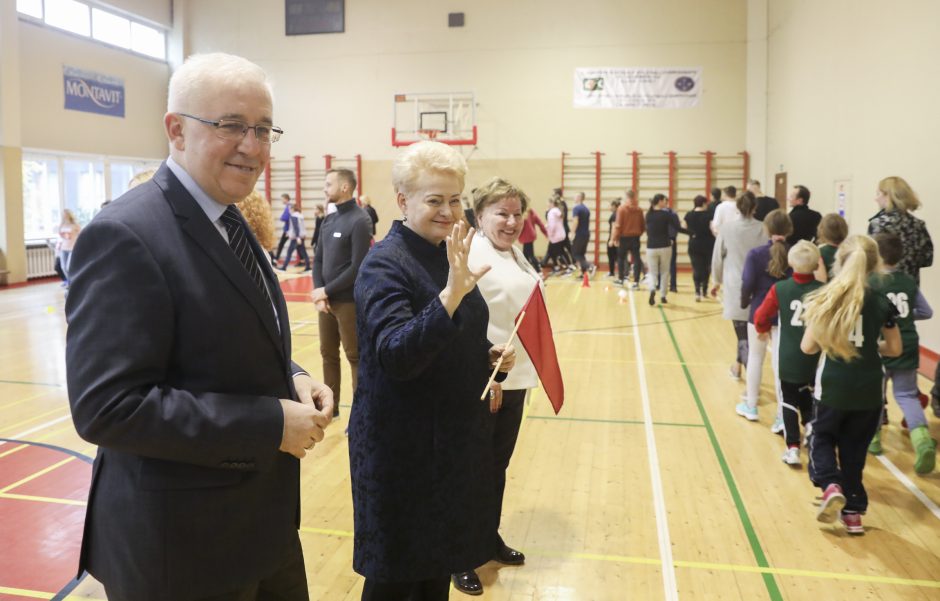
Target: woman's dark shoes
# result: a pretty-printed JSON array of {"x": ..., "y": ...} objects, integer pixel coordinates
[
  {"x": 509, "y": 556},
  {"x": 468, "y": 582}
]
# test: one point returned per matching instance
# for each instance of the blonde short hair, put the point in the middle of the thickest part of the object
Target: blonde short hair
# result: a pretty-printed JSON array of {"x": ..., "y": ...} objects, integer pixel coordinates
[
  {"x": 139, "y": 178},
  {"x": 422, "y": 157},
  {"x": 803, "y": 257},
  {"x": 257, "y": 213},
  {"x": 494, "y": 191},
  {"x": 206, "y": 73},
  {"x": 900, "y": 195}
]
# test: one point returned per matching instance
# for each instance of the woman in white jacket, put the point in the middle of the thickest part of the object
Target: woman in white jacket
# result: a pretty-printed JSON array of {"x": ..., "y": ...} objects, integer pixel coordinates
[
  {"x": 500, "y": 210},
  {"x": 735, "y": 239}
]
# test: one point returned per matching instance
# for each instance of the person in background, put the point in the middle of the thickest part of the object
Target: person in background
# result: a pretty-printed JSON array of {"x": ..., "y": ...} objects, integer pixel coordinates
[
  {"x": 506, "y": 288},
  {"x": 713, "y": 204},
  {"x": 420, "y": 439},
  {"x": 139, "y": 178},
  {"x": 906, "y": 297},
  {"x": 628, "y": 228},
  {"x": 318, "y": 216},
  {"x": 298, "y": 241},
  {"x": 851, "y": 323},
  {"x": 582, "y": 232},
  {"x": 805, "y": 220},
  {"x": 675, "y": 228},
  {"x": 765, "y": 204},
  {"x": 366, "y": 203},
  {"x": 727, "y": 209},
  {"x": 468, "y": 213},
  {"x": 285, "y": 232},
  {"x": 611, "y": 246},
  {"x": 833, "y": 229},
  {"x": 528, "y": 236},
  {"x": 257, "y": 213},
  {"x": 701, "y": 245},
  {"x": 556, "y": 236},
  {"x": 735, "y": 239},
  {"x": 658, "y": 247},
  {"x": 896, "y": 203},
  {"x": 68, "y": 234}
]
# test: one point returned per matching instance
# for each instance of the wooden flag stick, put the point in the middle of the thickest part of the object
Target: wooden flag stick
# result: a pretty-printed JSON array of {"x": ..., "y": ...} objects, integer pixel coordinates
[{"x": 499, "y": 362}]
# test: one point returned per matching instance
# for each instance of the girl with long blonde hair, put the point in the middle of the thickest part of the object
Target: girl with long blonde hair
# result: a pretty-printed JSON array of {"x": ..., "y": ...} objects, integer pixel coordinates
[{"x": 844, "y": 320}]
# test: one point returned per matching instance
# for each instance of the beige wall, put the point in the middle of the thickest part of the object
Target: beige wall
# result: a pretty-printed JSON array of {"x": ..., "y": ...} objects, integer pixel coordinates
[
  {"x": 334, "y": 92},
  {"x": 852, "y": 96},
  {"x": 46, "y": 123}
]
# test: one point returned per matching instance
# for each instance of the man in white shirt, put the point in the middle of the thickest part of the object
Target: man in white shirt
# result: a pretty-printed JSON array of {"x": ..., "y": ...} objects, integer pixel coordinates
[{"x": 727, "y": 210}]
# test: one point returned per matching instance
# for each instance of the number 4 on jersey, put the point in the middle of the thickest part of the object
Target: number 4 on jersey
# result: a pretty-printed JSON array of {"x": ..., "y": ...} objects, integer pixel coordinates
[{"x": 857, "y": 336}]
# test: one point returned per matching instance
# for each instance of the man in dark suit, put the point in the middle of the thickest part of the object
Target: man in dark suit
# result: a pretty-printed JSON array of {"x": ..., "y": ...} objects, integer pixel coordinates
[
  {"x": 765, "y": 204},
  {"x": 805, "y": 220},
  {"x": 179, "y": 369}
]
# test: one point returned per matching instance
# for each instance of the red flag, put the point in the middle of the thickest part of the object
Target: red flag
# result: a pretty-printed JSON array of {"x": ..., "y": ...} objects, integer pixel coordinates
[{"x": 535, "y": 333}]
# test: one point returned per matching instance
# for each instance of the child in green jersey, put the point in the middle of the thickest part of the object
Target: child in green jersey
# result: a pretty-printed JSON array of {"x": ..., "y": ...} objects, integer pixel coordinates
[
  {"x": 831, "y": 232},
  {"x": 844, "y": 320},
  {"x": 902, "y": 291},
  {"x": 796, "y": 370}
]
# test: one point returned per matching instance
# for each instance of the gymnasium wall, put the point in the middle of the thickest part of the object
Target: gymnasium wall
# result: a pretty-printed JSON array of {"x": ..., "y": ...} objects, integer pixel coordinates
[
  {"x": 334, "y": 92},
  {"x": 47, "y": 125},
  {"x": 852, "y": 97}
]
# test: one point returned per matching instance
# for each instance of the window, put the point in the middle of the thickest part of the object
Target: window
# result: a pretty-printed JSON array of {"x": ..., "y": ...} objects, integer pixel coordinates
[
  {"x": 33, "y": 8},
  {"x": 41, "y": 206},
  {"x": 83, "y": 187},
  {"x": 68, "y": 15},
  {"x": 110, "y": 28},
  {"x": 147, "y": 40}
]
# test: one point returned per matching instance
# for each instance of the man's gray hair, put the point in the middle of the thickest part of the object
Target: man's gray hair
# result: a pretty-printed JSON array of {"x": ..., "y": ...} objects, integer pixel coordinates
[{"x": 202, "y": 74}]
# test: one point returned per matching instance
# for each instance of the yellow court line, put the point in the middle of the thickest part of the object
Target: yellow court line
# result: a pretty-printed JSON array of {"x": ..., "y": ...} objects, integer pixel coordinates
[
  {"x": 21, "y": 592},
  {"x": 699, "y": 565},
  {"x": 31, "y": 419},
  {"x": 37, "y": 474},
  {"x": 67, "y": 427},
  {"x": 13, "y": 450},
  {"x": 25, "y": 399},
  {"x": 10, "y": 495}
]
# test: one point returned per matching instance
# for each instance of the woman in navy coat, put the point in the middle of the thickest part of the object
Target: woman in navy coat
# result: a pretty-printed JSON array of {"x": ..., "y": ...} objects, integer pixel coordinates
[{"x": 420, "y": 439}]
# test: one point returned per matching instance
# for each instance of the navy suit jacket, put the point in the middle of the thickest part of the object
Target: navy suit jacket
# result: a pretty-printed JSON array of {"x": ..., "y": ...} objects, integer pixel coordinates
[{"x": 175, "y": 365}]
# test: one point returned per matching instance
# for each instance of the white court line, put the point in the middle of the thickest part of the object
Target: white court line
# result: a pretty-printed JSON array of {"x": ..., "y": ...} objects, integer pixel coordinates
[
  {"x": 659, "y": 503},
  {"x": 25, "y": 433},
  {"x": 910, "y": 485}
]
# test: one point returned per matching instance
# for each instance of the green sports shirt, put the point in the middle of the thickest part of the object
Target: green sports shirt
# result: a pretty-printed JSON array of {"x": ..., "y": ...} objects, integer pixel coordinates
[
  {"x": 793, "y": 365},
  {"x": 901, "y": 290}
]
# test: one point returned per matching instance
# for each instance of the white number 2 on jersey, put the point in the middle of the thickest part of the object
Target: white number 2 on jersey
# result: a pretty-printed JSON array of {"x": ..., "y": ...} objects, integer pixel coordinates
[
  {"x": 901, "y": 303},
  {"x": 857, "y": 337},
  {"x": 796, "y": 306}
]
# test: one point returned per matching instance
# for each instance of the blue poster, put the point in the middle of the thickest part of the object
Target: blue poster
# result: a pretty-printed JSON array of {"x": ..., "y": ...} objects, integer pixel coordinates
[{"x": 93, "y": 92}]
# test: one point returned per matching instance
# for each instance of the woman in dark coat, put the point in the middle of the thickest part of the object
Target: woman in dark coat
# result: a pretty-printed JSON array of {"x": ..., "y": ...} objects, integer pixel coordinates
[{"x": 420, "y": 439}]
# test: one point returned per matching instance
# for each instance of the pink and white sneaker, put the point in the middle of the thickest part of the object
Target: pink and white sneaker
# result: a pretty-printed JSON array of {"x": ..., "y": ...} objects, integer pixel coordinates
[
  {"x": 852, "y": 523},
  {"x": 832, "y": 503}
]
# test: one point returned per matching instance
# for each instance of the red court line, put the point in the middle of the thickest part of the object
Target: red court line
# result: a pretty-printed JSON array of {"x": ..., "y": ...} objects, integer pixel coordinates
[
  {"x": 19, "y": 465},
  {"x": 302, "y": 285},
  {"x": 69, "y": 481}
]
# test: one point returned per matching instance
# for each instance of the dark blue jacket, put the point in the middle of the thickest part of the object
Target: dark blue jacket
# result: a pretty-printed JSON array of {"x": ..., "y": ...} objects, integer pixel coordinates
[
  {"x": 756, "y": 282},
  {"x": 420, "y": 439}
]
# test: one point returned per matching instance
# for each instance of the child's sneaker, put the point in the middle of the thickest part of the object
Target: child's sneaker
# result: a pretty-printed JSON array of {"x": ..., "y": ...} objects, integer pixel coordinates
[
  {"x": 792, "y": 456},
  {"x": 749, "y": 413},
  {"x": 832, "y": 503},
  {"x": 852, "y": 523},
  {"x": 874, "y": 447},
  {"x": 926, "y": 449},
  {"x": 777, "y": 428}
]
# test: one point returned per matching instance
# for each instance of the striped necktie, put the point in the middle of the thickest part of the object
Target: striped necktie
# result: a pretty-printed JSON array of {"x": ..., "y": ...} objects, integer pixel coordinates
[{"x": 238, "y": 240}]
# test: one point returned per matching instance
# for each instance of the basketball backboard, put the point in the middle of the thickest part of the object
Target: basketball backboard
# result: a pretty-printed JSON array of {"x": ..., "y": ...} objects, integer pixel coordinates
[{"x": 448, "y": 117}]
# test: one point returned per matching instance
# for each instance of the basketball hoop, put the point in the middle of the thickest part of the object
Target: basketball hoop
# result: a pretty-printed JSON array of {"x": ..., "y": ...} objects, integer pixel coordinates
[{"x": 429, "y": 134}]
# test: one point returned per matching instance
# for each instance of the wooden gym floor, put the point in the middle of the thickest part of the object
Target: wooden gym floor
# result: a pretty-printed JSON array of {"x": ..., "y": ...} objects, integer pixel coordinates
[{"x": 647, "y": 486}]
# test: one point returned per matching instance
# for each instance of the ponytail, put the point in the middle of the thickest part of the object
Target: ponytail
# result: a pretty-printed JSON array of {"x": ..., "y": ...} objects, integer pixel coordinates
[
  {"x": 833, "y": 310},
  {"x": 779, "y": 226}
]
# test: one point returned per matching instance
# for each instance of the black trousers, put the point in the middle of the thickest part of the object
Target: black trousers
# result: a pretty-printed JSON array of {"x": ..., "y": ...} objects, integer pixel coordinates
[
  {"x": 673, "y": 269},
  {"x": 579, "y": 251},
  {"x": 506, "y": 423},
  {"x": 437, "y": 589},
  {"x": 556, "y": 254},
  {"x": 528, "y": 251},
  {"x": 288, "y": 583},
  {"x": 630, "y": 244},
  {"x": 280, "y": 244},
  {"x": 301, "y": 248},
  {"x": 797, "y": 409},
  {"x": 701, "y": 271},
  {"x": 740, "y": 332},
  {"x": 838, "y": 447},
  {"x": 612, "y": 259}
]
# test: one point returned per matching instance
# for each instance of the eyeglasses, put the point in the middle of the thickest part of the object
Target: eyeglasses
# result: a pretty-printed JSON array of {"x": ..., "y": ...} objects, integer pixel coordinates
[{"x": 232, "y": 129}]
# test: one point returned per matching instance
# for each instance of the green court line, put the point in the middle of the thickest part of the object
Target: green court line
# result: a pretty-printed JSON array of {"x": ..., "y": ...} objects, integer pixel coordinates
[
  {"x": 31, "y": 383},
  {"x": 769, "y": 580},
  {"x": 612, "y": 421}
]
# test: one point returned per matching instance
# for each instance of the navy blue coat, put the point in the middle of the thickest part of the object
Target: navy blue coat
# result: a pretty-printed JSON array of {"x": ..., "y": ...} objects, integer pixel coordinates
[{"x": 420, "y": 439}]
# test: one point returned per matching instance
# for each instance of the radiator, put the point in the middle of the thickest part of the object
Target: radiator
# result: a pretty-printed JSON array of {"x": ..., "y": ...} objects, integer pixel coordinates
[{"x": 40, "y": 261}]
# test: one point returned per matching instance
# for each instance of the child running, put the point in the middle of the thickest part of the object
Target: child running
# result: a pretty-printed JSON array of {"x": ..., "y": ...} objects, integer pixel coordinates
[
  {"x": 796, "y": 370},
  {"x": 843, "y": 320},
  {"x": 902, "y": 291}
]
